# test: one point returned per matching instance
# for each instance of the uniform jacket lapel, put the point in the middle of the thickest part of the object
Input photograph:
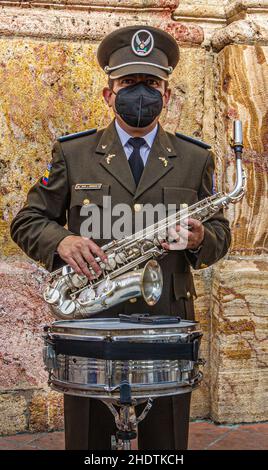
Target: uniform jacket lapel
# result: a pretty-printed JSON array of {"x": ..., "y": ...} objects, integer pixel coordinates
[
  {"x": 159, "y": 162},
  {"x": 114, "y": 159}
]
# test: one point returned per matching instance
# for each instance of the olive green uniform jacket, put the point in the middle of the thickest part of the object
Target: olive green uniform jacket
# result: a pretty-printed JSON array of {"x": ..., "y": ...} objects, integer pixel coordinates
[{"x": 177, "y": 171}]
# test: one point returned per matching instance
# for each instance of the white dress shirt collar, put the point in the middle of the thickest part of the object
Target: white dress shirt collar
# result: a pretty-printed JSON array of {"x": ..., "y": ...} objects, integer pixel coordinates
[{"x": 124, "y": 136}]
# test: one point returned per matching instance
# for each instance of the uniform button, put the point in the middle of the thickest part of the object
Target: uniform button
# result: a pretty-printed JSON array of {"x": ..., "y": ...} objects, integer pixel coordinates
[
  {"x": 203, "y": 265},
  {"x": 184, "y": 205},
  {"x": 188, "y": 294},
  {"x": 137, "y": 207},
  {"x": 86, "y": 202},
  {"x": 133, "y": 300}
]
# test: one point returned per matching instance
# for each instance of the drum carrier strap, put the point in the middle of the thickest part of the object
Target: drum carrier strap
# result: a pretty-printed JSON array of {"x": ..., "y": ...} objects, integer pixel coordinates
[{"x": 124, "y": 350}]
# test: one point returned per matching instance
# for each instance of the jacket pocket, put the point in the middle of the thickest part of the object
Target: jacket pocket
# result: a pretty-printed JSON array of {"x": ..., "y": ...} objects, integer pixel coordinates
[
  {"x": 82, "y": 197},
  {"x": 173, "y": 195},
  {"x": 85, "y": 216},
  {"x": 184, "y": 293},
  {"x": 183, "y": 286}
]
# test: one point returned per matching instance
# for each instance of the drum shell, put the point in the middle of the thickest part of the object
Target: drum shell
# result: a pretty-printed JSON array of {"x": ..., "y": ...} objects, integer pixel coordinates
[{"x": 101, "y": 378}]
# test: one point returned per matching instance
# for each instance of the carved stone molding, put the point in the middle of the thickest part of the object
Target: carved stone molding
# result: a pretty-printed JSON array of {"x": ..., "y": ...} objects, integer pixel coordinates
[
  {"x": 247, "y": 23},
  {"x": 209, "y": 11},
  {"x": 240, "y": 8},
  {"x": 123, "y": 5},
  {"x": 90, "y": 25},
  {"x": 196, "y": 22},
  {"x": 231, "y": 22}
]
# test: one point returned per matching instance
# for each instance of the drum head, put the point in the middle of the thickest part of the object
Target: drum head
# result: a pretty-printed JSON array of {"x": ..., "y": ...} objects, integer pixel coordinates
[{"x": 113, "y": 326}]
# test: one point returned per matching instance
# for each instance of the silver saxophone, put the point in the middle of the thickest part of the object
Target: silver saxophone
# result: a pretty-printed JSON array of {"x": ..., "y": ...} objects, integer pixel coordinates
[{"x": 73, "y": 296}]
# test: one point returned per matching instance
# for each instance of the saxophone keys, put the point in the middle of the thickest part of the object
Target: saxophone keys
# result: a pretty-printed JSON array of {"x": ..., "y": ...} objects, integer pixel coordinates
[
  {"x": 120, "y": 258},
  {"x": 51, "y": 295},
  {"x": 79, "y": 280},
  {"x": 86, "y": 296},
  {"x": 66, "y": 270},
  {"x": 56, "y": 272},
  {"x": 68, "y": 307},
  {"x": 111, "y": 263},
  {"x": 102, "y": 265}
]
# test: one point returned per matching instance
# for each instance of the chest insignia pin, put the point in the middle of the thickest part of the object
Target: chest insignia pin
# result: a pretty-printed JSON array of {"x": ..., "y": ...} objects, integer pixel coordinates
[
  {"x": 163, "y": 160},
  {"x": 109, "y": 158}
]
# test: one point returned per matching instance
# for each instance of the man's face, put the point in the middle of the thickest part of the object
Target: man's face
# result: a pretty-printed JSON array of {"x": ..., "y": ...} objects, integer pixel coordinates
[{"x": 128, "y": 80}]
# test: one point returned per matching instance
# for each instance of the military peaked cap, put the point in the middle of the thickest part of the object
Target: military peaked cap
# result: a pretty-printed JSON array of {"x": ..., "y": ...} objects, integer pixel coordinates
[{"x": 138, "y": 49}]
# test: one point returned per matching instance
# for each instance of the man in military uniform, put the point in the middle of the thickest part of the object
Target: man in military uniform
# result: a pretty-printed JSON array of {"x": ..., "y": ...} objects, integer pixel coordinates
[{"x": 136, "y": 162}]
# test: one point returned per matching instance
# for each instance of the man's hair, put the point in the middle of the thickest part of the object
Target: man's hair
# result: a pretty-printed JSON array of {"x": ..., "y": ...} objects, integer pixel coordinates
[{"x": 111, "y": 83}]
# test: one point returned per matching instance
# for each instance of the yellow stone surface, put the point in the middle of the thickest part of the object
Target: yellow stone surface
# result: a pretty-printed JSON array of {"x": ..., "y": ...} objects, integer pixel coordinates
[
  {"x": 242, "y": 94},
  {"x": 200, "y": 403},
  {"x": 46, "y": 411},
  {"x": 239, "y": 350},
  {"x": 13, "y": 408},
  {"x": 185, "y": 111},
  {"x": 48, "y": 89}
]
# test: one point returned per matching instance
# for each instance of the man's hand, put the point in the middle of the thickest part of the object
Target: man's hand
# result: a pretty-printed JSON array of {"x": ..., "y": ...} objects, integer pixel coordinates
[
  {"x": 78, "y": 252},
  {"x": 186, "y": 238}
]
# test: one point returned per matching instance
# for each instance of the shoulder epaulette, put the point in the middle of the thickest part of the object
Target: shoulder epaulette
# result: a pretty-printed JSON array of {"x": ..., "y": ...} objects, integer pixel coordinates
[
  {"x": 63, "y": 138},
  {"x": 194, "y": 141}
]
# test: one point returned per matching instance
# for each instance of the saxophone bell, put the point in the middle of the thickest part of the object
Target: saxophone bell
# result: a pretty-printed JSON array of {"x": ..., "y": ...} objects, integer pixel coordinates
[
  {"x": 146, "y": 282},
  {"x": 151, "y": 282}
]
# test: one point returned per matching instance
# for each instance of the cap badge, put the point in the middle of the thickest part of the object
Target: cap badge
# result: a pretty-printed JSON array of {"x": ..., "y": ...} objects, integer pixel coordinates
[{"x": 142, "y": 43}]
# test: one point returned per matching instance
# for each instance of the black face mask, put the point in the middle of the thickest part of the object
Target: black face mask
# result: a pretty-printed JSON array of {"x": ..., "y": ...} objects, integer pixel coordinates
[{"x": 138, "y": 105}]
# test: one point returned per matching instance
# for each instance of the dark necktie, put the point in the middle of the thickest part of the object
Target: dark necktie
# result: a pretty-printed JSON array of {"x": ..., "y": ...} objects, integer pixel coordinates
[{"x": 135, "y": 160}]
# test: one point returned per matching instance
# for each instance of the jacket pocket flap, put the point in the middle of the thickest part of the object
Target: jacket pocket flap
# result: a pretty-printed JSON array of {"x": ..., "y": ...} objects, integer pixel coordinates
[
  {"x": 173, "y": 195},
  {"x": 81, "y": 197},
  {"x": 183, "y": 285}
]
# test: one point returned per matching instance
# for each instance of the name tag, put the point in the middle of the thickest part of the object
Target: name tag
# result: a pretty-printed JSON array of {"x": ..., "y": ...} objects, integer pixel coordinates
[{"x": 88, "y": 186}]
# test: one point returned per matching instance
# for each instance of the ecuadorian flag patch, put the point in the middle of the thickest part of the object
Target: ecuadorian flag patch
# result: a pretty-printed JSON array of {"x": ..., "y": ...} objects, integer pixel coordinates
[{"x": 46, "y": 174}]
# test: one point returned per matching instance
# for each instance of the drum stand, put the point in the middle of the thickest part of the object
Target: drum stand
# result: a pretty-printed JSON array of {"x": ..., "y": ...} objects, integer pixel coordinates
[
  {"x": 125, "y": 419},
  {"x": 127, "y": 423}
]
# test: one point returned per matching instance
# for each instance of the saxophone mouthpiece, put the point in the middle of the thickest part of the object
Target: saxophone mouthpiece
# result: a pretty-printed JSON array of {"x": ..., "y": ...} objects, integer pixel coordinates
[{"x": 238, "y": 135}]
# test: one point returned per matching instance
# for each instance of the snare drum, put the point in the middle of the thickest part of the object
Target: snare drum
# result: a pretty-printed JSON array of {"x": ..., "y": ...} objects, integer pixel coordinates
[{"x": 93, "y": 357}]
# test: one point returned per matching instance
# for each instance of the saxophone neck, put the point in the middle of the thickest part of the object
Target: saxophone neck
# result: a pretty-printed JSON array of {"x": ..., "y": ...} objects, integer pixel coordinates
[
  {"x": 237, "y": 193},
  {"x": 206, "y": 208}
]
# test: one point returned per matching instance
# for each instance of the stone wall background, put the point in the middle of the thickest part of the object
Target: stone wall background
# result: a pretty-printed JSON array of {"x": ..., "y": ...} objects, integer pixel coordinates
[{"x": 50, "y": 84}]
